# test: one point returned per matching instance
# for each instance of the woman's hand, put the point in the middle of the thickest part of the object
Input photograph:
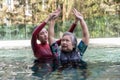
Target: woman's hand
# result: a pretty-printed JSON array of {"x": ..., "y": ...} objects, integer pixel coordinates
[
  {"x": 53, "y": 15},
  {"x": 56, "y": 13},
  {"x": 77, "y": 14}
]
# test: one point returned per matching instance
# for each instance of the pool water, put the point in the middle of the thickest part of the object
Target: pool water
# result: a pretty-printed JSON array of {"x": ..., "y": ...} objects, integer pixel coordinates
[{"x": 103, "y": 64}]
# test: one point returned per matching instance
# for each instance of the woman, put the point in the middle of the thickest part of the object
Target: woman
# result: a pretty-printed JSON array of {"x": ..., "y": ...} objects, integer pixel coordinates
[
  {"x": 70, "y": 55},
  {"x": 42, "y": 51}
]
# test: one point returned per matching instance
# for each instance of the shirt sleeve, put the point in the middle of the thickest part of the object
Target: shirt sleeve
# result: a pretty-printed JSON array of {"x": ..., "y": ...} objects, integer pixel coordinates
[
  {"x": 82, "y": 47},
  {"x": 56, "y": 53},
  {"x": 55, "y": 49},
  {"x": 72, "y": 28},
  {"x": 34, "y": 37}
]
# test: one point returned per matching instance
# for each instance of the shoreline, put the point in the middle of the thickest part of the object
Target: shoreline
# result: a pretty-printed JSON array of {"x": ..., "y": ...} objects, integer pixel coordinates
[{"x": 26, "y": 44}]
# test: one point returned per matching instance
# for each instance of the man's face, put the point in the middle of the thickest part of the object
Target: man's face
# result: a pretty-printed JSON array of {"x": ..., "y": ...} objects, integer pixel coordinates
[
  {"x": 43, "y": 35},
  {"x": 66, "y": 43}
]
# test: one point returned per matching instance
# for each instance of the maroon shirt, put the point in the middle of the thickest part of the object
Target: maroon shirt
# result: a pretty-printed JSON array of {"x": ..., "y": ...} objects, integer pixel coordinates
[{"x": 42, "y": 51}]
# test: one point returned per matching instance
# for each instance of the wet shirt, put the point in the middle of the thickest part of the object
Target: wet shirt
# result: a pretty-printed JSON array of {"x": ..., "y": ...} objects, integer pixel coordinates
[
  {"x": 41, "y": 51},
  {"x": 73, "y": 57}
]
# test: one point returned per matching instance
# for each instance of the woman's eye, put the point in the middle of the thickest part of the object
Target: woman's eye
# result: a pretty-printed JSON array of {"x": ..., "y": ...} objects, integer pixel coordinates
[{"x": 62, "y": 40}]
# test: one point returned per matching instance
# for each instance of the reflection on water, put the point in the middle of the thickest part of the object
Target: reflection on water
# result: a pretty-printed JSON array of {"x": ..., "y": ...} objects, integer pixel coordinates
[
  {"x": 103, "y": 64},
  {"x": 41, "y": 70},
  {"x": 104, "y": 71},
  {"x": 69, "y": 74}
]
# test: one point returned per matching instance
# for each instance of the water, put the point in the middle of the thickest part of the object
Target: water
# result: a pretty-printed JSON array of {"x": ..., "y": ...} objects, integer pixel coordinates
[{"x": 103, "y": 64}]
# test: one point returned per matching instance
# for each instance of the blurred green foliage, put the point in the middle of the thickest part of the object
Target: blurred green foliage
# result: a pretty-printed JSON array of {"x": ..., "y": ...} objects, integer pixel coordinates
[{"x": 101, "y": 16}]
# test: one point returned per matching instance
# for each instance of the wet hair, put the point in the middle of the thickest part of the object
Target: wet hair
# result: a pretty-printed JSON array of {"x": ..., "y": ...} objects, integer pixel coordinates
[
  {"x": 39, "y": 33},
  {"x": 73, "y": 38}
]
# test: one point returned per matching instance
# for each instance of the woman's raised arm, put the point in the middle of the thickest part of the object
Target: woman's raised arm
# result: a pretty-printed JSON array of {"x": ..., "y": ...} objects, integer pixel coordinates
[
  {"x": 51, "y": 26},
  {"x": 85, "y": 32}
]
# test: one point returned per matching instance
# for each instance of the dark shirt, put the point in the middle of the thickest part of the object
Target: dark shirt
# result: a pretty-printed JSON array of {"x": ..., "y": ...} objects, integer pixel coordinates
[{"x": 74, "y": 57}]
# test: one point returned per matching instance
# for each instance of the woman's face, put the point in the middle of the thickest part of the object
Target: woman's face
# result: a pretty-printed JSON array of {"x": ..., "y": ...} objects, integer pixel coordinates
[
  {"x": 66, "y": 43},
  {"x": 43, "y": 36}
]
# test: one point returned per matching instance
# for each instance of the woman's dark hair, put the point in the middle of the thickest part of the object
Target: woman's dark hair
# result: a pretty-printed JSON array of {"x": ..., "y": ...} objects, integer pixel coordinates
[{"x": 73, "y": 38}]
